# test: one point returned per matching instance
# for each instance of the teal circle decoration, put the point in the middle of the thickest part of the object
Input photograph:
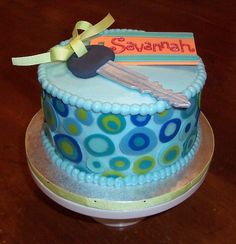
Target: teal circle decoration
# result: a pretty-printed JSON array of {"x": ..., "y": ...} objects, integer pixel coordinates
[
  {"x": 72, "y": 127},
  {"x": 60, "y": 107},
  {"x": 140, "y": 120},
  {"x": 99, "y": 145},
  {"x": 169, "y": 130},
  {"x": 68, "y": 147},
  {"x": 95, "y": 165},
  {"x": 85, "y": 117},
  {"x": 111, "y": 123},
  {"x": 138, "y": 141},
  {"x": 50, "y": 116},
  {"x": 144, "y": 165},
  {"x": 188, "y": 144},
  {"x": 187, "y": 112},
  {"x": 169, "y": 154},
  {"x": 160, "y": 118},
  {"x": 119, "y": 163}
]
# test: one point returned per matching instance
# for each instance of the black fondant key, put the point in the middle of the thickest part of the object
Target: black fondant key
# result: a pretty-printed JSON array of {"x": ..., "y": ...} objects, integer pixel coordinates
[{"x": 87, "y": 65}]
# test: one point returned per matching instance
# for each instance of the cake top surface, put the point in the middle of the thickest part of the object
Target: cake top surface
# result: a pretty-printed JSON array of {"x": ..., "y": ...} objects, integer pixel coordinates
[{"x": 101, "y": 94}]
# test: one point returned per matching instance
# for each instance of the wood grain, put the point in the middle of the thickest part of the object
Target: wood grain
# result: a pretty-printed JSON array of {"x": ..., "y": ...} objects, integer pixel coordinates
[{"x": 30, "y": 27}]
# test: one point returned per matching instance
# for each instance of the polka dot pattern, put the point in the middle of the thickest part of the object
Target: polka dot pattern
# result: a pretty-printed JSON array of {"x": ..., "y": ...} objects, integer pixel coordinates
[
  {"x": 119, "y": 163},
  {"x": 144, "y": 165},
  {"x": 111, "y": 123},
  {"x": 170, "y": 154},
  {"x": 84, "y": 116},
  {"x": 72, "y": 127},
  {"x": 60, "y": 107},
  {"x": 169, "y": 130},
  {"x": 116, "y": 145},
  {"x": 99, "y": 145},
  {"x": 50, "y": 116},
  {"x": 68, "y": 147},
  {"x": 138, "y": 141},
  {"x": 140, "y": 120}
]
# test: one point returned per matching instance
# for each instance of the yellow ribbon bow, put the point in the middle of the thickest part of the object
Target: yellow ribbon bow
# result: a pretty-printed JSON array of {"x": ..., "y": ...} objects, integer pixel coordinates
[{"x": 62, "y": 53}]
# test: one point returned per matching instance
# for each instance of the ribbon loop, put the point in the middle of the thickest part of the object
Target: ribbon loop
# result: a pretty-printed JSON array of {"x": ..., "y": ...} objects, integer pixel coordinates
[{"x": 62, "y": 53}]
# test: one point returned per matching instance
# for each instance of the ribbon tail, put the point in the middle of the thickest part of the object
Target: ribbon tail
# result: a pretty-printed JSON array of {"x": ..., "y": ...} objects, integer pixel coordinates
[{"x": 32, "y": 60}]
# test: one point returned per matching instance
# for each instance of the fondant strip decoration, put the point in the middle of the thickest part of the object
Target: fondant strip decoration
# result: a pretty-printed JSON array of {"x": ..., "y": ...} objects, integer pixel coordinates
[{"x": 151, "y": 48}]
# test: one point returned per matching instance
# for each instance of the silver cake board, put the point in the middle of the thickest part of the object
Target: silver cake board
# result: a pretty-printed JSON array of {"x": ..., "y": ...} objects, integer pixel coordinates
[{"x": 117, "y": 207}]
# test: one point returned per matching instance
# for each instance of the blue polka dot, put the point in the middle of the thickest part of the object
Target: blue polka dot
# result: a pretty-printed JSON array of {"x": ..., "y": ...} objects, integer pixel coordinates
[
  {"x": 95, "y": 165},
  {"x": 68, "y": 147},
  {"x": 99, "y": 145},
  {"x": 60, "y": 107},
  {"x": 138, "y": 141},
  {"x": 140, "y": 120},
  {"x": 169, "y": 130}
]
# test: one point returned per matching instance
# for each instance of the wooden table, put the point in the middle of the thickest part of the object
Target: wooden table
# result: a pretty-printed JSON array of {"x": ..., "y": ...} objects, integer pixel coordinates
[{"x": 30, "y": 27}]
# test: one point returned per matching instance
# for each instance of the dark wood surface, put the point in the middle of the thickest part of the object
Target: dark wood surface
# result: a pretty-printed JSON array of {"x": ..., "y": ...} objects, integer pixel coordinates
[{"x": 30, "y": 27}]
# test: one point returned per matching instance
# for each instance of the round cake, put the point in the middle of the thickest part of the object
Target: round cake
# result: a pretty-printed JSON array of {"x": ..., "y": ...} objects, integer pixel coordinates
[{"x": 101, "y": 132}]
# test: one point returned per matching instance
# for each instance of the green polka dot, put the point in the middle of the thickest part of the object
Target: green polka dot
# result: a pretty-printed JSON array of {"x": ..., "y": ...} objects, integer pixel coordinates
[
  {"x": 113, "y": 173},
  {"x": 169, "y": 155},
  {"x": 144, "y": 165},
  {"x": 111, "y": 123}
]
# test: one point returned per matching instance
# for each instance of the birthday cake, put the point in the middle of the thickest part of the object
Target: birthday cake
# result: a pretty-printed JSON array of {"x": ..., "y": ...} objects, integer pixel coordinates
[{"x": 100, "y": 131}]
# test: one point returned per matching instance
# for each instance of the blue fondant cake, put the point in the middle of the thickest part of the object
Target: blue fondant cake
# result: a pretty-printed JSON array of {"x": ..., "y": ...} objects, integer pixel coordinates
[{"x": 101, "y": 132}]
